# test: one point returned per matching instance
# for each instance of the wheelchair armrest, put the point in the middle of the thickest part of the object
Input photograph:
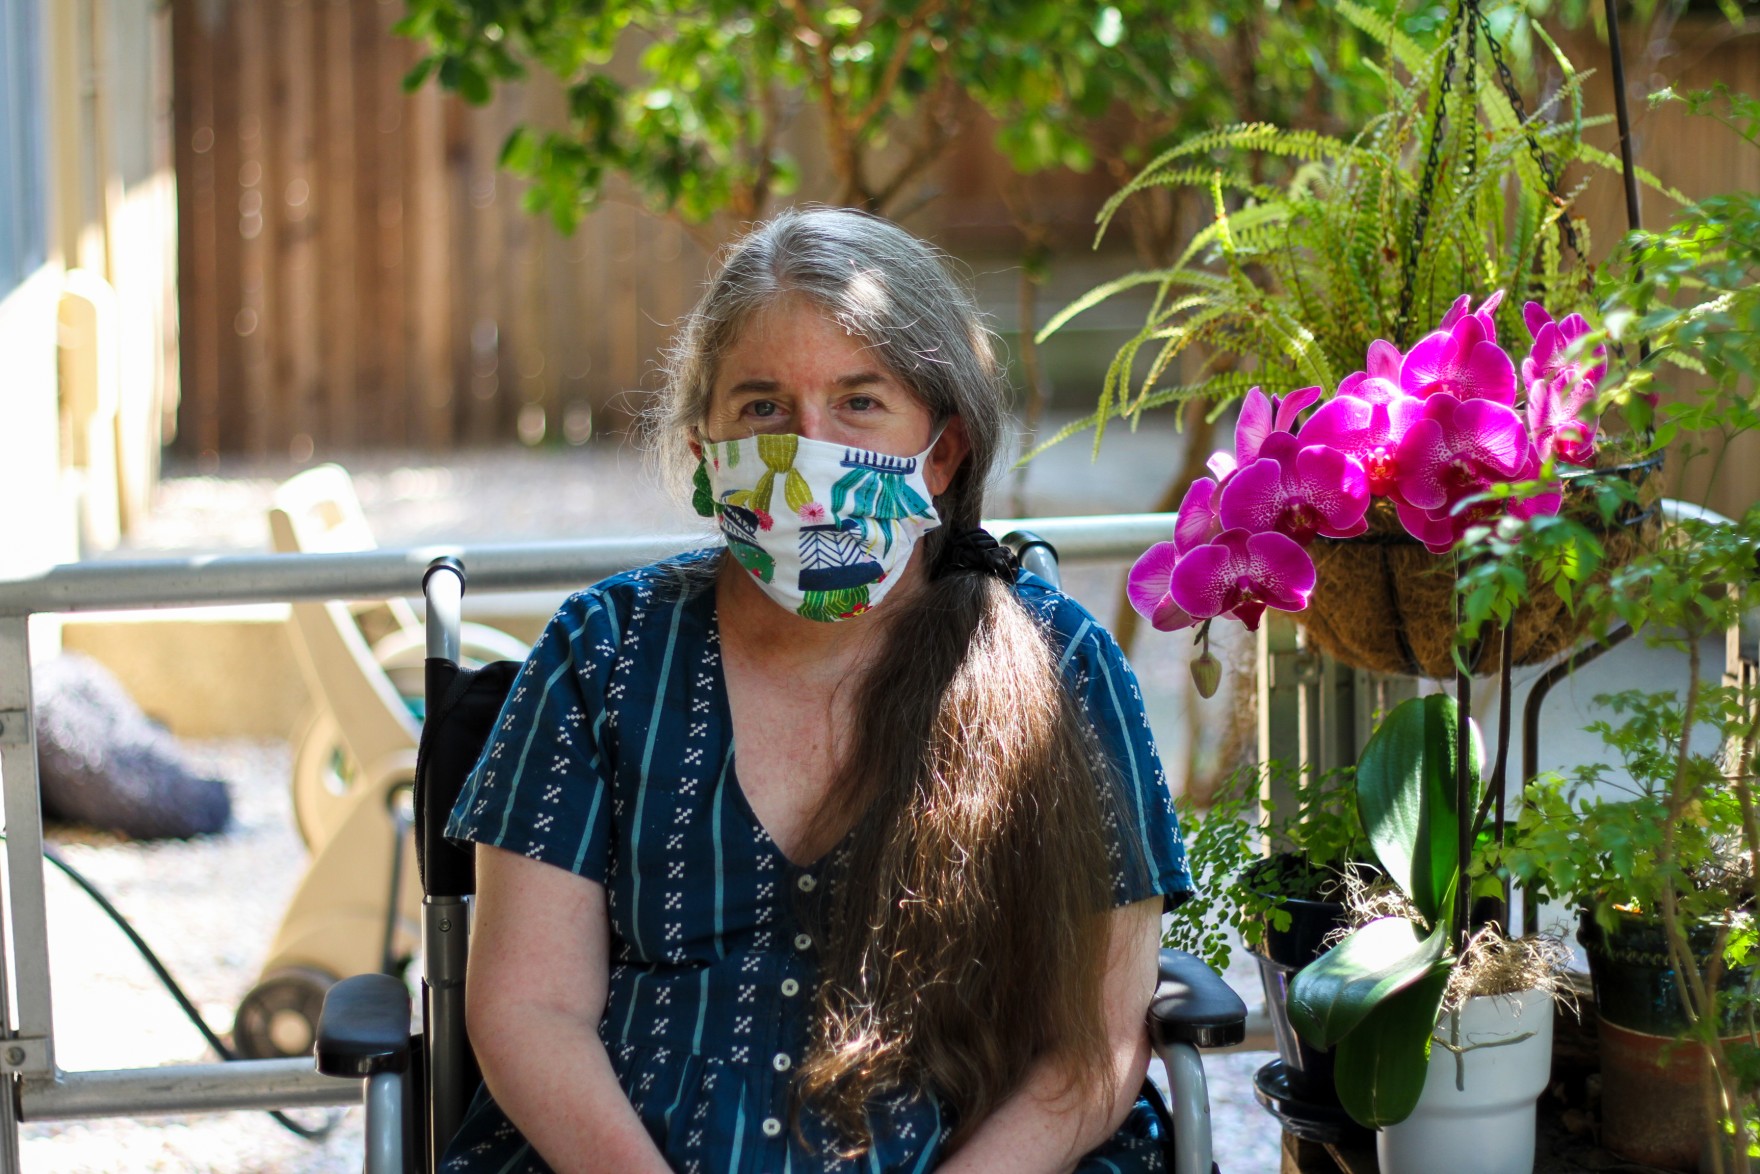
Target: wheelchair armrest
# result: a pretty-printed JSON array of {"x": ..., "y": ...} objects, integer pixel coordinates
[
  {"x": 363, "y": 1029},
  {"x": 1194, "y": 1006}
]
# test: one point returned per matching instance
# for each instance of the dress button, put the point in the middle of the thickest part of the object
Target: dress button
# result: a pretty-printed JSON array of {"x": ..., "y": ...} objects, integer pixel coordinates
[
  {"x": 807, "y": 883},
  {"x": 781, "y": 1062},
  {"x": 772, "y": 1127},
  {"x": 803, "y": 941},
  {"x": 790, "y": 987}
]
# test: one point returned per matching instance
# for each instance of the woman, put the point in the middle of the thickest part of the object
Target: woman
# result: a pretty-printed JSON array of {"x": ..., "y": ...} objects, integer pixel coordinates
[{"x": 916, "y": 929}]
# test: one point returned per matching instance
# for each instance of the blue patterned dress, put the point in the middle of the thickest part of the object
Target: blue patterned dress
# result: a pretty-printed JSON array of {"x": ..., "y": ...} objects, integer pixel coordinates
[{"x": 614, "y": 758}]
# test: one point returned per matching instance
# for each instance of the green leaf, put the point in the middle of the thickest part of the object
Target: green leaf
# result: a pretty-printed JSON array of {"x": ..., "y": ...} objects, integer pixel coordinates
[
  {"x": 1406, "y": 794},
  {"x": 1336, "y": 992},
  {"x": 1380, "y": 1067}
]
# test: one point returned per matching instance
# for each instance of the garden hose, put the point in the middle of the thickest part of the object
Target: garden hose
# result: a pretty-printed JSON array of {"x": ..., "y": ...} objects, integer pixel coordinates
[{"x": 309, "y": 1133}]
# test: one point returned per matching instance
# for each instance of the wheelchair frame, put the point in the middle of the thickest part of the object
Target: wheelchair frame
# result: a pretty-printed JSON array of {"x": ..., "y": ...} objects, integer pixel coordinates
[{"x": 36, "y": 1088}]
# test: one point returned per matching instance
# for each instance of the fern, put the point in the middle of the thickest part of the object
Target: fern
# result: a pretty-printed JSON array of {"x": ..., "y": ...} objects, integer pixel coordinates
[{"x": 1289, "y": 284}]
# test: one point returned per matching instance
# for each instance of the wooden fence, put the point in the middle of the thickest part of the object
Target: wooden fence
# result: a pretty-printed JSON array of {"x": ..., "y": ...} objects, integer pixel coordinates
[{"x": 354, "y": 270}]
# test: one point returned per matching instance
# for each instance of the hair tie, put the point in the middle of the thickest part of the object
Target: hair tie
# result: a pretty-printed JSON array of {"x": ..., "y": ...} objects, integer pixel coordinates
[{"x": 976, "y": 550}]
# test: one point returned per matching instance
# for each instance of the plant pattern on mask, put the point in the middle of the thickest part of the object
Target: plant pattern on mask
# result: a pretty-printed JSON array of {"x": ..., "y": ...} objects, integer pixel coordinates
[
  {"x": 875, "y": 489},
  {"x": 740, "y": 526},
  {"x": 777, "y": 452}
]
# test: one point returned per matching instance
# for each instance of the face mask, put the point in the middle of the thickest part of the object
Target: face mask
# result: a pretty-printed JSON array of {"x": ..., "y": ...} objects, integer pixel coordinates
[{"x": 824, "y": 528}]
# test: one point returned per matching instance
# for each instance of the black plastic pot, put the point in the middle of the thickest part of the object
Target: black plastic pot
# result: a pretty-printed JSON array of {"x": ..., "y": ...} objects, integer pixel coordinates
[
  {"x": 1308, "y": 1069},
  {"x": 1634, "y": 978}
]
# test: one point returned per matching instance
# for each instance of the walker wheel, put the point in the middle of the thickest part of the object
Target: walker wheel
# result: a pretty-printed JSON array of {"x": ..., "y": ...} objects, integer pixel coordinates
[{"x": 278, "y": 1018}]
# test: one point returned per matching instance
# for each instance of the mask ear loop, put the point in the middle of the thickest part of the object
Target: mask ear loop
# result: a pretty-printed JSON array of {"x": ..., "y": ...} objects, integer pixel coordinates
[{"x": 702, "y": 495}]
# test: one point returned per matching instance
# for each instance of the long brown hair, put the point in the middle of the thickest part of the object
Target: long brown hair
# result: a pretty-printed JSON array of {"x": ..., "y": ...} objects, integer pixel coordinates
[{"x": 964, "y": 929}]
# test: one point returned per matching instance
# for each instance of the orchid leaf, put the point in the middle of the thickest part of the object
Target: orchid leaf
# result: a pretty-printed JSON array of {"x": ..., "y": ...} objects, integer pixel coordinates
[
  {"x": 1336, "y": 992},
  {"x": 1380, "y": 1067},
  {"x": 1406, "y": 796}
]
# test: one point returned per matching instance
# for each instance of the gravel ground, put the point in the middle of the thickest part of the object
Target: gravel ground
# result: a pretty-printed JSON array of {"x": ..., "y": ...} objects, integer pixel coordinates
[{"x": 210, "y": 905}]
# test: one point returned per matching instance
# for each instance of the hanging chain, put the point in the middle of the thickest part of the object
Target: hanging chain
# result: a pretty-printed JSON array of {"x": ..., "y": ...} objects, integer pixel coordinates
[
  {"x": 1427, "y": 185},
  {"x": 1548, "y": 176}
]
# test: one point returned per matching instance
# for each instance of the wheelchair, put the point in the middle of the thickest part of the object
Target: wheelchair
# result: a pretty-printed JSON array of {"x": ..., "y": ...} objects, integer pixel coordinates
[{"x": 417, "y": 1085}]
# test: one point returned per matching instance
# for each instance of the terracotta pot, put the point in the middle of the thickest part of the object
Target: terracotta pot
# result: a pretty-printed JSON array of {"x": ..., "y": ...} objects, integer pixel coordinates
[
  {"x": 1652, "y": 1081},
  {"x": 1384, "y": 603}
]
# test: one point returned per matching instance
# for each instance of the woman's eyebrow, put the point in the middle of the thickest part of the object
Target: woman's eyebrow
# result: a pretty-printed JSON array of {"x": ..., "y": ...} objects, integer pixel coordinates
[
  {"x": 861, "y": 379},
  {"x": 755, "y": 385}
]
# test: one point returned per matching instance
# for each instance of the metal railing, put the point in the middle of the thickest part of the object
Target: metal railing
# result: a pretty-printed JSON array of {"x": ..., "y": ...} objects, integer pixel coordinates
[{"x": 43, "y": 1092}]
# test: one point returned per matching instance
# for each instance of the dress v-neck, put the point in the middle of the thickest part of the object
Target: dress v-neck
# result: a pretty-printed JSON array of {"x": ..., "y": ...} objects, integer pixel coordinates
[{"x": 724, "y": 712}]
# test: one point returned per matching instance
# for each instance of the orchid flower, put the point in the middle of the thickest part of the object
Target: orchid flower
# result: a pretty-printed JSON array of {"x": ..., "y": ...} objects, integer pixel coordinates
[
  {"x": 1560, "y": 388},
  {"x": 1147, "y": 588},
  {"x": 1440, "y": 529},
  {"x": 1464, "y": 361},
  {"x": 1367, "y": 431},
  {"x": 1241, "y": 574},
  {"x": 1300, "y": 492},
  {"x": 1197, "y": 522},
  {"x": 1463, "y": 308},
  {"x": 1552, "y": 341},
  {"x": 1556, "y": 418},
  {"x": 1262, "y": 417},
  {"x": 1458, "y": 448},
  {"x": 1380, "y": 383}
]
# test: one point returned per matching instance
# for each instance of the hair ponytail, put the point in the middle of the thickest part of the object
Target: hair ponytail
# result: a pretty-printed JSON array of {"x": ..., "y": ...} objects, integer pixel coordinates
[{"x": 965, "y": 928}]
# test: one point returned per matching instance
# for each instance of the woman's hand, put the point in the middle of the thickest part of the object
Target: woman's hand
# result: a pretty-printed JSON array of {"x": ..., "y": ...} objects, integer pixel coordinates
[
  {"x": 1046, "y": 1126},
  {"x": 539, "y": 971}
]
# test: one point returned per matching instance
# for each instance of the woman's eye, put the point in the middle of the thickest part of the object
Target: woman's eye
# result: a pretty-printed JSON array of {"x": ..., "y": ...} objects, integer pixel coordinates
[
  {"x": 762, "y": 408},
  {"x": 863, "y": 403}
]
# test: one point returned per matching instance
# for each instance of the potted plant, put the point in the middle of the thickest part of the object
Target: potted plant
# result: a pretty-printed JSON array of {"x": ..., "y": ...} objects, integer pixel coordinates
[
  {"x": 1607, "y": 842},
  {"x": 1275, "y": 880}
]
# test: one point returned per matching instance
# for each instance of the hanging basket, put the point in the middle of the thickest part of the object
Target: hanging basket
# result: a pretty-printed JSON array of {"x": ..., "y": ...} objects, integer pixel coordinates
[{"x": 1384, "y": 603}]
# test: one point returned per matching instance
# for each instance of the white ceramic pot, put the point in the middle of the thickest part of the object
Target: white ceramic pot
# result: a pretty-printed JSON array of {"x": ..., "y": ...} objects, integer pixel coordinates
[{"x": 1476, "y": 1114}]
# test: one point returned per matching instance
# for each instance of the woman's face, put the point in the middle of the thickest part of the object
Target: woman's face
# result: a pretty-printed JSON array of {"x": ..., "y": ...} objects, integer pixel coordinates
[{"x": 795, "y": 370}]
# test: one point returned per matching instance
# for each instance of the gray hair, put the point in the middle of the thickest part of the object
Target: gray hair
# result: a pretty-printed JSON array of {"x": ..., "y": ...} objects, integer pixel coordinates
[{"x": 882, "y": 285}]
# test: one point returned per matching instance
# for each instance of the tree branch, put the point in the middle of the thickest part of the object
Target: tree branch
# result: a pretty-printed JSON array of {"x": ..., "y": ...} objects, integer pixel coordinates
[
  {"x": 814, "y": 50},
  {"x": 894, "y": 66}
]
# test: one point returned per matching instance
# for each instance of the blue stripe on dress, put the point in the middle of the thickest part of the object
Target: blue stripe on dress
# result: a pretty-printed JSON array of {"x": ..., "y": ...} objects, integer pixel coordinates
[
  {"x": 684, "y": 1073},
  {"x": 1130, "y": 749},
  {"x": 635, "y": 833},
  {"x": 1069, "y": 650},
  {"x": 933, "y": 1149},
  {"x": 519, "y": 771},
  {"x": 739, "y": 1131},
  {"x": 702, "y": 1011},
  {"x": 720, "y": 872}
]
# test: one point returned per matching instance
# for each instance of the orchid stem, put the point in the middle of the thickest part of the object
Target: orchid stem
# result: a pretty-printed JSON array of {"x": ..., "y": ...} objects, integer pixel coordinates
[{"x": 1493, "y": 796}]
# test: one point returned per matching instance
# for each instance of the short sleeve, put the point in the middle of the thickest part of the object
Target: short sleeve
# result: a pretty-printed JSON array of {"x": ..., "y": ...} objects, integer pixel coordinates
[
  {"x": 541, "y": 786},
  {"x": 1149, "y": 856}
]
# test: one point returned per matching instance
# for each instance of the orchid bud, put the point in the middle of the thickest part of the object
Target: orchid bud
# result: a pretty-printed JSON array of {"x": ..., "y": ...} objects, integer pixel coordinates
[{"x": 1206, "y": 673}]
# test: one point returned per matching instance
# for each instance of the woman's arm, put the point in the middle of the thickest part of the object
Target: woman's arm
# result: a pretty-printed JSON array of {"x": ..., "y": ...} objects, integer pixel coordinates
[
  {"x": 1046, "y": 1126},
  {"x": 539, "y": 972}
]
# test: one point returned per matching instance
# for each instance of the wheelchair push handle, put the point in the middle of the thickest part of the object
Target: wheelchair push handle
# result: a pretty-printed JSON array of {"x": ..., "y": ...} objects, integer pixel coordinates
[
  {"x": 1035, "y": 554},
  {"x": 443, "y": 590}
]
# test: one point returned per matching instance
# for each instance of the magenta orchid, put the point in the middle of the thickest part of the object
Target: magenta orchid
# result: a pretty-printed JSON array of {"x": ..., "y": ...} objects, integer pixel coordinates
[
  {"x": 1464, "y": 361},
  {"x": 1299, "y": 493},
  {"x": 1241, "y": 574},
  {"x": 1261, "y": 418},
  {"x": 1560, "y": 385},
  {"x": 1432, "y": 431},
  {"x": 1367, "y": 430}
]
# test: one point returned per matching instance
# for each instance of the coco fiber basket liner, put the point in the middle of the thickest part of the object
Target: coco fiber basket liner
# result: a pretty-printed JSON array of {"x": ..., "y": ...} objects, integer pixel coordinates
[{"x": 1383, "y": 603}]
